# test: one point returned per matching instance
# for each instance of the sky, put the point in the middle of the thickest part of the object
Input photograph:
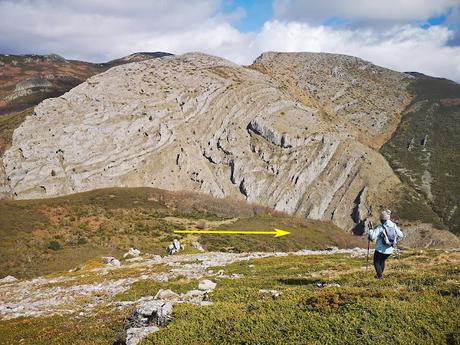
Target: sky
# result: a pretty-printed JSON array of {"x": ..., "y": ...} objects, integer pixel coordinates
[{"x": 404, "y": 35}]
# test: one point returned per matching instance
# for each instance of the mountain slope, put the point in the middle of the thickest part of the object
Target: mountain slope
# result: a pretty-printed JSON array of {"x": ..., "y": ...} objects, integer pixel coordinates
[
  {"x": 51, "y": 235},
  {"x": 425, "y": 148}
]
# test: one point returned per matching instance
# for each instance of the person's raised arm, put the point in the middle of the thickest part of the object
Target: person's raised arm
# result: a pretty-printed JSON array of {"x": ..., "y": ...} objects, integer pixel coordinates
[{"x": 374, "y": 233}]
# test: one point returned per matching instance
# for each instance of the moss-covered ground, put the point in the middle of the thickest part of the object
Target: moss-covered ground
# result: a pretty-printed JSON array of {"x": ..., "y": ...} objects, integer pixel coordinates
[{"x": 418, "y": 302}]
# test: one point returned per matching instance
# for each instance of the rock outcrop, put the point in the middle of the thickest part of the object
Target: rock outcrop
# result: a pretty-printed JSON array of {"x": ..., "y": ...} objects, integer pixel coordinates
[{"x": 201, "y": 123}]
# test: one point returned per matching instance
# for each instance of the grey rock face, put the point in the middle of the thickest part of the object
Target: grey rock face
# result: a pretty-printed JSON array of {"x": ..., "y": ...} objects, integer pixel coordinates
[
  {"x": 152, "y": 311},
  {"x": 148, "y": 315},
  {"x": 29, "y": 86},
  {"x": 30, "y": 83}
]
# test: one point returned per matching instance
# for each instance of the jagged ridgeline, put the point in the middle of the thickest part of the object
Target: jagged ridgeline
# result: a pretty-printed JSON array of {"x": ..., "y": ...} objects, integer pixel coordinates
[{"x": 297, "y": 132}]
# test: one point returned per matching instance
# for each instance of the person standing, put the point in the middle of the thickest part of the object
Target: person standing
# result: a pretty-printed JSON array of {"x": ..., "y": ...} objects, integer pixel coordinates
[{"x": 387, "y": 234}]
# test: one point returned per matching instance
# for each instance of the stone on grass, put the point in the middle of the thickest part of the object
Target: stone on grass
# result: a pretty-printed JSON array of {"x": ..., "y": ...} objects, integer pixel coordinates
[
  {"x": 111, "y": 261},
  {"x": 167, "y": 295},
  {"x": 134, "y": 335},
  {"x": 132, "y": 252},
  {"x": 8, "y": 279},
  {"x": 207, "y": 285},
  {"x": 274, "y": 294},
  {"x": 194, "y": 296},
  {"x": 324, "y": 285},
  {"x": 157, "y": 311}
]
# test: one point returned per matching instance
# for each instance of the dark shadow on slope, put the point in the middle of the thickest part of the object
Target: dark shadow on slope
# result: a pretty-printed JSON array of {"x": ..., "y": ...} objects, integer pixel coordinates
[{"x": 298, "y": 281}]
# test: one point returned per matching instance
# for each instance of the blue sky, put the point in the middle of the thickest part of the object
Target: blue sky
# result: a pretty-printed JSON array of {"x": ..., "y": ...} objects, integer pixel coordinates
[
  {"x": 256, "y": 13},
  {"x": 404, "y": 35}
]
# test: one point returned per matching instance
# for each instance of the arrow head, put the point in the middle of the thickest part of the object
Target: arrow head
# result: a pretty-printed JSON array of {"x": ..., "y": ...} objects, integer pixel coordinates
[{"x": 279, "y": 232}]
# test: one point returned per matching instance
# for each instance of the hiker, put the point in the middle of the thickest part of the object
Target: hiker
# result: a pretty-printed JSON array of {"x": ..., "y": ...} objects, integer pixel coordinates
[{"x": 387, "y": 235}]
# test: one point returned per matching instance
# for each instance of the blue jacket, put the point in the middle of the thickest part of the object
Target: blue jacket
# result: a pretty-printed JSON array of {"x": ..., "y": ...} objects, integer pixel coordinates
[{"x": 376, "y": 234}]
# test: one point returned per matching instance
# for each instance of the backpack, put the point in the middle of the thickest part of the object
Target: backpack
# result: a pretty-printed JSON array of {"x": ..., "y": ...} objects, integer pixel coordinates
[{"x": 389, "y": 236}]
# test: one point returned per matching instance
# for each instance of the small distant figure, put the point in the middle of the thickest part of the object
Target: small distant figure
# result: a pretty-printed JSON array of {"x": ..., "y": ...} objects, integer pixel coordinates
[{"x": 387, "y": 235}]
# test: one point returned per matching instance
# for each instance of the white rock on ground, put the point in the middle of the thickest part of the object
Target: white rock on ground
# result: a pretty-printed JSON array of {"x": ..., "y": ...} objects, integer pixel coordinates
[
  {"x": 8, "y": 279},
  {"x": 132, "y": 252},
  {"x": 168, "y": 295},
  {"x": 136, "y": 334},
  {"x": 194, "y": 296},
  {"x": 206, "y": 285},
  {"x": 273, "y": 293},
  {"x": 111, "y": 261},
  {"x": 158, "y": 311}
]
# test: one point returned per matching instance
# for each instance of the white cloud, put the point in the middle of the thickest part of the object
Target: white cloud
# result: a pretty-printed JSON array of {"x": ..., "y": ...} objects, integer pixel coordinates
[
  {"x": 314, "y": 11},
  {"x": 100, "y": 30}
]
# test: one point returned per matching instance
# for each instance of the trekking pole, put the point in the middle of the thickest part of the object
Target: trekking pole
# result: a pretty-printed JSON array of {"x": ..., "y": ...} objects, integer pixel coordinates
[{"x": 369, "y": 225}]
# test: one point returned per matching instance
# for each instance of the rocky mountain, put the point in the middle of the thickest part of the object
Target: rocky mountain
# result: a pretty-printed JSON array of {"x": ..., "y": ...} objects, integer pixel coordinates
[
  {"x": 299, "y": 132},
  {"x": 25, "y": 80}
]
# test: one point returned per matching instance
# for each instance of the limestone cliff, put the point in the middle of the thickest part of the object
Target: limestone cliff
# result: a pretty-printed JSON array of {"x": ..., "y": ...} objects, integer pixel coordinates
[{"x": 198, "y": 122}]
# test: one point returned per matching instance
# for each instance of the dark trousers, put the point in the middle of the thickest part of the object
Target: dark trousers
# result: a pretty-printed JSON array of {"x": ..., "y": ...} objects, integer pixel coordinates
[{"x": 379, "y": 263}]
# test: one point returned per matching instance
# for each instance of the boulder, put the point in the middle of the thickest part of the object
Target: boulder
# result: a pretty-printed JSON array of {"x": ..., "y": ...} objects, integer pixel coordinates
[
  {"x": 157, "y": 311},
  {"x": 111, "y": 261},
  {"x": 132, "y": 252},
  {"x": 134, "y": 335},
  {"x": 206, "y": 285},
  {"x": 8, "y": 279},
  {"x": 168, "y": 295},
  {"x": 195, "y": 296}
]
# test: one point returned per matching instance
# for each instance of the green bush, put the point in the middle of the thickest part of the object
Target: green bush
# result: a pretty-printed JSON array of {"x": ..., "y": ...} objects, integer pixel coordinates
[
  {"x": 82, "y": 241},
  {"x": 54, "y": 245}
]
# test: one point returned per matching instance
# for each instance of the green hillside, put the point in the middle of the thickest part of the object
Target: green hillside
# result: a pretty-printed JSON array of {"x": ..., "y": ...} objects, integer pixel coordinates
[
  {"x": 425, "y": 149},
  {"x": 48, "y": 235}
]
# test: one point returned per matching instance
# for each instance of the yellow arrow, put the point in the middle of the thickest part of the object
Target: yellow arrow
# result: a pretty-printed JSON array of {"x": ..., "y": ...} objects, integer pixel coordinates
[{"x": 276, "y": 232}]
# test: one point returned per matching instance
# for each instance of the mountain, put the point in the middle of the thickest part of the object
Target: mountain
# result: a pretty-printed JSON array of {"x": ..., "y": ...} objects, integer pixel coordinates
[
  {"x": 302, "y": 133},
  {"x": 252, "y": 148}
]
